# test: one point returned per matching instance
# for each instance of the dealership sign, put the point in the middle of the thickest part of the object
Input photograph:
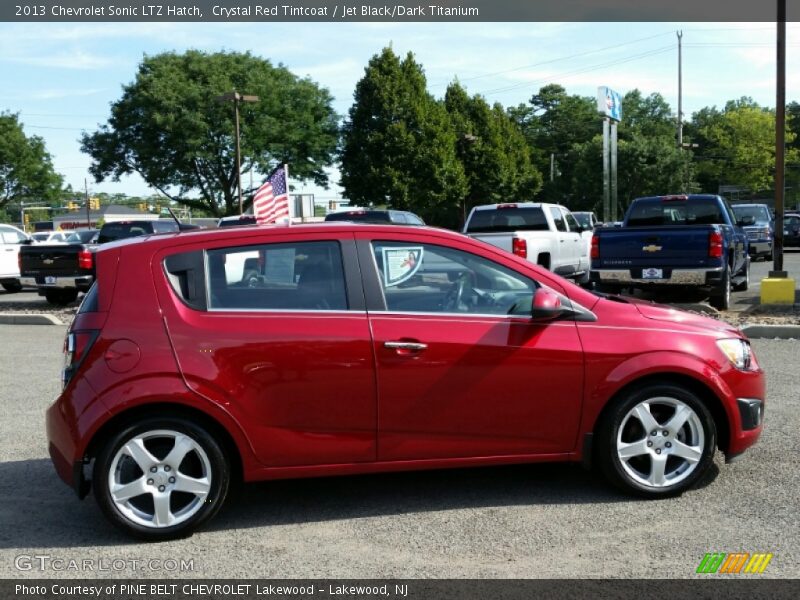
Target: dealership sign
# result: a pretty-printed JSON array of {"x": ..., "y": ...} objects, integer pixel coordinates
[{"x": 609, "y": 103}]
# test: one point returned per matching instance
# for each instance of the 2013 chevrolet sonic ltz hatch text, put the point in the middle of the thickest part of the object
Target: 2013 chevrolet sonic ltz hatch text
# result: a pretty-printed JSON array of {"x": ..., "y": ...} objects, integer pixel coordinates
[{"x": 341, "y": 348}]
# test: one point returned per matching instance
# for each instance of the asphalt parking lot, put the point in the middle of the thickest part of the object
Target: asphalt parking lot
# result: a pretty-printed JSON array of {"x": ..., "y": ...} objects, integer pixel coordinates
[{"x": 509, "y": 522}]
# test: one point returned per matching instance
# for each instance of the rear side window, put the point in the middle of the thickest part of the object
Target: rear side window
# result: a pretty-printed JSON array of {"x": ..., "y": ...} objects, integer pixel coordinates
[
  {"x": 290, "y": 276},
  {"x": 507, "y": 219},
  {"x": 657, "y": 212},
  {"x": 558, "y": 219}
]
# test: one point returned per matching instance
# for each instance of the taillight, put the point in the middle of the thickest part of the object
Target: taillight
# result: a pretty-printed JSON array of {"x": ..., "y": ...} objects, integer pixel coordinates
[
  {"x": 85, "y": 259},
  {"x": 595, "y": 250},
  {"x": 76, "y": 347},
  {"x": 519, "y": 247},
  {"x": 715, "y": 244},
  {"x": 506, "y": 205}
]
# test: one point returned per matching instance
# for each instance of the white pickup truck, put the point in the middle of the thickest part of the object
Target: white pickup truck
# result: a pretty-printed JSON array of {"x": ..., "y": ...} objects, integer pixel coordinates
[{"x": 545, "y": 234}]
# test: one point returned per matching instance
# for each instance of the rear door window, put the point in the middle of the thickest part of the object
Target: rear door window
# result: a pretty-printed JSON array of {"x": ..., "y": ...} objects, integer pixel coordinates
[{"x": 287, "y": 276}]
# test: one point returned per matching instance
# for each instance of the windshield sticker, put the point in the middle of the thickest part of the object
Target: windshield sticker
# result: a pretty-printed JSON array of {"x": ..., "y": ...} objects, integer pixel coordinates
[{"x": 400, "y": 264}]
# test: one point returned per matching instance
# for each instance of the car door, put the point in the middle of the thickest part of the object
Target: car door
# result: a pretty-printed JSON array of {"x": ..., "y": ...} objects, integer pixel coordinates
[
  {"x": 274, "y": 328},
  {"x": 566, "y": 260},
  {"x": 581, "y": 241},
  {"x": 10, "y": 240},
  {"x": 462, "y": 370}
]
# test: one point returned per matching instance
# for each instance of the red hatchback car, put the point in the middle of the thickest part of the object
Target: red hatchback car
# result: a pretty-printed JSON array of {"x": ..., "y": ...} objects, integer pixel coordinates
[{"x": 278, "y": 352}]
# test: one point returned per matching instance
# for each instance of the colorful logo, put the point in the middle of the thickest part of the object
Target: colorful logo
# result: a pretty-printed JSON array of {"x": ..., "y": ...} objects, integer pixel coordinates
[{"x": 734, "y": 563}]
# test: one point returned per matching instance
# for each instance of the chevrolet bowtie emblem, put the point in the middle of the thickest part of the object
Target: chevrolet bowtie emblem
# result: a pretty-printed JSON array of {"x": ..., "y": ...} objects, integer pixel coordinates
[{"x": 651, "y": 248}]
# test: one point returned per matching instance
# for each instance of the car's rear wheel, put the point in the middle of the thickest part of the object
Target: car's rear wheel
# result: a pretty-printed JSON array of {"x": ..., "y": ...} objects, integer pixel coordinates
[
  {"x": 61, "y": 297},
  {"x": 721, "y": 298},
  {"x": 656, "y": 441},
  {"x": 161, "y": 478},
  {"x": 12, "y": 287}
]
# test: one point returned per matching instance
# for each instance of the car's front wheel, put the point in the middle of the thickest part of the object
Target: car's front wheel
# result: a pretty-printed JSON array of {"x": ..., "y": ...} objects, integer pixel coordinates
[
  {"x": 656, "y": 441},
  {"x": 161, "y": 478}
]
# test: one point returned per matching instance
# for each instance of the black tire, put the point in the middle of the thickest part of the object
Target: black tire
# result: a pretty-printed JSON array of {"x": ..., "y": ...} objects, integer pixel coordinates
[
  {"x": 214, "y": 465},
  {"x": 721, "y": 297},
  {"x": 616, "y": 425},
  {"x": 745, "y": 283},
  {"x": 12, "y": 287},
  {"x": 61, "y": 297}
]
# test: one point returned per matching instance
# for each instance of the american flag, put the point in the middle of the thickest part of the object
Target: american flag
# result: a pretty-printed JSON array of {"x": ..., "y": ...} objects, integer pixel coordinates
[{"x": 271, "y": 201}]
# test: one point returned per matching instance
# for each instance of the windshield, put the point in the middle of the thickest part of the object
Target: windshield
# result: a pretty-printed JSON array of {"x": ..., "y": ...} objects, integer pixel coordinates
[
  {"x": 507, "y": 219},
  {"x": 118, "y": 231},
  {"x": 759, "y": 213}
]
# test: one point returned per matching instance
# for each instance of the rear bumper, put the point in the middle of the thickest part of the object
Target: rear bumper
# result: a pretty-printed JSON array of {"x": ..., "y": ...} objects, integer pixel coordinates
[
  {"x": 677, "y": 277},
  {"x": 759, "y": 247},
  {"x": 81, "y": 283}
]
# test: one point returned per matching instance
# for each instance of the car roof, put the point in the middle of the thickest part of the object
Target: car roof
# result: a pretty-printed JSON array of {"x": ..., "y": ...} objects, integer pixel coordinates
[{"x": 517, "y": 204}]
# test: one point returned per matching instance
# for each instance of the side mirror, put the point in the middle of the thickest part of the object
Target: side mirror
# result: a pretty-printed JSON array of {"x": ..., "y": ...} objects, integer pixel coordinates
[{"x": 547, "y": 306}]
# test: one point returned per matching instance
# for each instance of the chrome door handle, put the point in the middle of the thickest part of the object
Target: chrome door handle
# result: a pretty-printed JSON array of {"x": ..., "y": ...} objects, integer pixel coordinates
[{"x": 405, "y": 345}]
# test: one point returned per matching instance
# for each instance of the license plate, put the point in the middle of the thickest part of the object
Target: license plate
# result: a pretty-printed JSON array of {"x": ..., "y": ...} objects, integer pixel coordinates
[
  {"x": 50, "y": 280},
  {"x": 652, "y": 274}
]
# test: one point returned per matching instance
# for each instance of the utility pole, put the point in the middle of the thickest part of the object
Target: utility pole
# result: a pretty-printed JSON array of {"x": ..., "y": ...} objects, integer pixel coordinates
[
  {"x": 780, "y": 141},
  {"x": 680, "y": 88},
  {"x": 88, "y": 219},
  {"x": 236, "y": 98}
]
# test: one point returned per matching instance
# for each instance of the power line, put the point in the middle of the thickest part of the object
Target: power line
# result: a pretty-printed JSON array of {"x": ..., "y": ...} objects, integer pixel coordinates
[
  {"x": 580, "y": 71},
  {"x": 559, "y": 59}
]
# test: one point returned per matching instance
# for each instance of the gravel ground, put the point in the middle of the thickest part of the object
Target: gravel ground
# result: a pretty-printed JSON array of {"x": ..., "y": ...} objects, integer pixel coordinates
[{"x": 529, "y": 521}]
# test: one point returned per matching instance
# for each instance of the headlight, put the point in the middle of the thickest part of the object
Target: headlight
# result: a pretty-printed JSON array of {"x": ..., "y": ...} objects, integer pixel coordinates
[{"x": 738, "y": 352}]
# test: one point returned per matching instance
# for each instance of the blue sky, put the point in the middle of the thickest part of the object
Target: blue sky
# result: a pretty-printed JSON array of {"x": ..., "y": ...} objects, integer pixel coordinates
[{"x": 62, "y": 78}]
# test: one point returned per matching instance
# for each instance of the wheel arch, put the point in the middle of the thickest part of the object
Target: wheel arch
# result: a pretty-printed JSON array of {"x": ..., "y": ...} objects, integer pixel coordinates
[
  {"x": 128, "y": 416},
  {"x": 706, "y": 395}
]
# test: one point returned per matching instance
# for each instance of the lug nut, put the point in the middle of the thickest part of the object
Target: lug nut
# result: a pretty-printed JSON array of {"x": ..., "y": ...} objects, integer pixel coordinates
[
  {"x": 149, "y": 482},
  {"x": 153, "y": 469},
  {"x": 161, "y": 488},
  {"x": 668, "y": 445},
  {"x": 665, "y": 432},
  {"x": 167, "y": 467},
  {"x": 649, "y": 444},
  {"x": 654, "y": 432},
  {"x": 172, "y": 480},
  {"x": 658, "y": 450}
]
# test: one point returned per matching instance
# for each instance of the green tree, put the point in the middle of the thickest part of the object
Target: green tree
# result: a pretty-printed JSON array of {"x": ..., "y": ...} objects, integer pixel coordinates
[
  {"x": 492, "y": 151},
  {"x": 649, "y": 116},
  {"x": 26, "y": 168},
  {"x": 737, "y": 145},
  {"x": 554, "y": 123},
  {"x": 168, "y": 127},
  {"x": 398, "y": 145}
]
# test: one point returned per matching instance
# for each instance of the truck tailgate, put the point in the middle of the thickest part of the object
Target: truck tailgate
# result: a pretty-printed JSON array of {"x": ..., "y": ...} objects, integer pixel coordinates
[
  {"x": 679, "y": 247},
  {"x": 58, "y": 260},
  {"x": 501, "y": 240}
]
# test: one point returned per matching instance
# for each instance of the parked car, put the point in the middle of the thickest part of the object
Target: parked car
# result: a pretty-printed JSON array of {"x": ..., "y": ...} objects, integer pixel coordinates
[
  {"x": 368, "y": 348},
  {"x": 49, "y": 237},
  {"x": 586, "y": 219},
  {"x": 236, "y": 220},
  {"x": 11, "y": 240},
  {"x": 397, "y": 217},
  {"x": 677, "y": 242},
  {"x": 61, "y": 271},
  {"x": 545, "y": 234},
  {"x": 757, "y": 222},
  {"x": 83, "y": 236},
  {"x": 791, "y": 230}
]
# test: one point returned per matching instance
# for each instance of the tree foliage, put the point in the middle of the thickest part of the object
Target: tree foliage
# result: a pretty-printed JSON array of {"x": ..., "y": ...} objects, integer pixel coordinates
[
  {"x": 492, "y": 150},
  {"x": 26, "y": 168},
  {"x": 736, "y": 145},
  {"x": 168, "y": 127},
  {"x": 398, "y": 145}
]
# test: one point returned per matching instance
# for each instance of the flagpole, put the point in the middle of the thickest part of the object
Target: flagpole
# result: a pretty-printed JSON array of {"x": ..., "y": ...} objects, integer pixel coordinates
[{"x": 288, "y": 197}]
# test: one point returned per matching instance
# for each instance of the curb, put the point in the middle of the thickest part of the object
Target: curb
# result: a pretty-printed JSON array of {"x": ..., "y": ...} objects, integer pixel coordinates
[
  {"x": 781, "y": 332},
  {"x": 28, "y": 319}
]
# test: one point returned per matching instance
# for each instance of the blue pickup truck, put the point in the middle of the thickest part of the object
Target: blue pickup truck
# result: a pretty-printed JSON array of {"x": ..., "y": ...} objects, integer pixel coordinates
[{"x": 681, "y": 241}]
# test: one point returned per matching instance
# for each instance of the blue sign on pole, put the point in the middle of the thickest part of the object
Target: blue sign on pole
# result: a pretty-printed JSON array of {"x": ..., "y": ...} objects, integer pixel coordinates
[{"x": 609, "y": 103}]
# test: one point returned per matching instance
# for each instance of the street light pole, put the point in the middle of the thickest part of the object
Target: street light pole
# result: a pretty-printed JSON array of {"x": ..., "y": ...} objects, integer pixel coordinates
[
  {"x": 780, "y": 140},
  {"x": 236, "y": 98}
]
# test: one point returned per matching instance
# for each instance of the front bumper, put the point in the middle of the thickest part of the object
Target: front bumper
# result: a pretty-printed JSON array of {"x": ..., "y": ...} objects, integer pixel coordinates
[
  {"x": 632, "y": 276},
  {"x": 759, "y": 247}
]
